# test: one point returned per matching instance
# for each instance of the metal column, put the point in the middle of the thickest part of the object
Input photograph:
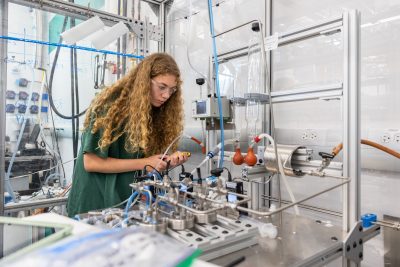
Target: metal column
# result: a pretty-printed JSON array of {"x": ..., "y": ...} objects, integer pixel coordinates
[
  {"x": 351, "y": 117},
  {"x": 162, "y": 24},
  {"x": 3, "y": 88},
  {"x": 268, "y": 58},
  {"x": 351, "y": 120}
]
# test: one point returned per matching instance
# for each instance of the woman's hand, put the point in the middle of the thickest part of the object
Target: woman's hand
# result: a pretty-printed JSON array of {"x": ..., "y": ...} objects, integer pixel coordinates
[
  {"x": 156, "y": 162},
  {"x": 177, "y": 158}
]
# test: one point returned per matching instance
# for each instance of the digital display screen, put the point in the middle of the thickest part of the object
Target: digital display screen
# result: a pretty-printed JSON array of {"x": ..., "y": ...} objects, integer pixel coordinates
[{"x": 201, "y": 107}]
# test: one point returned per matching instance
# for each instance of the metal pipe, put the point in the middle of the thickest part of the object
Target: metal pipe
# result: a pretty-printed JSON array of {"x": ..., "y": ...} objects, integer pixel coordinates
[
  {"x": 161, "y": 21},
  {"x": 246, "y": 199},
  {"x": 305, "y": 206},
  {"x": 224, "y": 191},
  {"x": 44, "y": 203},
  {"x": 269, "y": 213},
  {"x": 392, "y": 225},
  {"x": 3, "y": 86},
  {"x": 190, "y": 209},
  {"x": 124, "y": 42}
]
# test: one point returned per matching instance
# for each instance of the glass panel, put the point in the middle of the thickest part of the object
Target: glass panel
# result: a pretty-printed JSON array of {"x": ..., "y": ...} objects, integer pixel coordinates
[{"x": 29, "y": 75}]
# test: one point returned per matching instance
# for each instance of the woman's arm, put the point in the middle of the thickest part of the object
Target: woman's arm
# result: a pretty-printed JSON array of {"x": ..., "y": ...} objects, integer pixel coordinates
[{"x": 94, "y": 163}]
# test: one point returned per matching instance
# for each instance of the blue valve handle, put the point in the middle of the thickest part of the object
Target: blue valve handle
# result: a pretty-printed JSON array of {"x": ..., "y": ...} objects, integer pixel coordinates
[{"x": 368, "y": 219}]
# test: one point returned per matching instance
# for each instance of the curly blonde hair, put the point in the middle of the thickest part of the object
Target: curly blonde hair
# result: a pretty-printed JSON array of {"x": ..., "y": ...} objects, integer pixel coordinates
[{"x": 125, "y": 108}]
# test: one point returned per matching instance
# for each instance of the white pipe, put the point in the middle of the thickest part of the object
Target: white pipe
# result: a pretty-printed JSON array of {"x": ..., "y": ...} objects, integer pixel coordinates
[{"x": 280, "y": 167}]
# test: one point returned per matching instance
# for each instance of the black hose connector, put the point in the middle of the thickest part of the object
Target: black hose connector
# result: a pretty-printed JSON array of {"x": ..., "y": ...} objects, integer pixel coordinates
[
  {"x": 200, "y": 81},
  {"x": 217, "y": 172}
]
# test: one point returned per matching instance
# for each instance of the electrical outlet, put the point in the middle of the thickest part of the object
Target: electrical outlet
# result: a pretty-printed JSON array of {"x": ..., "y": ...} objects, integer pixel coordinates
[
  {"x": 260, "y": 154},
  {"x": 396, "y": 138},
  {"x": 386, "y": 138},
  {"x": 309, "y": 134},
  {"x": 313, "y": 135}
]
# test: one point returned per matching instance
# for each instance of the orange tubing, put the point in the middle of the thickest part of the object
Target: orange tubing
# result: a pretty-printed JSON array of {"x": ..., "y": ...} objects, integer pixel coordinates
[
  {"x": 203, "y": 148},
  {"x": 339, "y": 147}
]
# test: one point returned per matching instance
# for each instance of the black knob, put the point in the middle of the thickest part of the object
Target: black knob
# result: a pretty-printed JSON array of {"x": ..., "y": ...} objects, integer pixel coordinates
[
  {"x": 325, "y": 155},
  {"x": 217, "y": 172},
  {"x": 255, "y": 27},
  {"x": 200, "y": 81}
]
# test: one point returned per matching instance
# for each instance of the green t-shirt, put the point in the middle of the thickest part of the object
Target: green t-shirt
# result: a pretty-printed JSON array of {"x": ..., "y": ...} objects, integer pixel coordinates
[{"x": 93, "y": 190}]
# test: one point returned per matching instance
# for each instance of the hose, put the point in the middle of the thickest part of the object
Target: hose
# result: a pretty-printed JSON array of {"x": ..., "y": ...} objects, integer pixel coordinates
[
  {"x": 336, "y": 150},
  {"x": 187, "y": 50},
  {"x": 168, "y": 148},
  {"x": 128, "y": 205},
  {"x": 213, "y": 153},
  {"x": 51, "y": 176},
  {"x": 282, "y": 172},
  {"x": 50, "y": 89},
  {"x": 221, "y": 121},
  {"x": 197, "y": 141}
]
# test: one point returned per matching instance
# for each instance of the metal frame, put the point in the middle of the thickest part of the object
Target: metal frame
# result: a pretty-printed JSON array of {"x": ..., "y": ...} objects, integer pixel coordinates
[
  {"x": 35, "y": 204},
  {"x": 142, "y": 29},
  {"x": 351, "y": 247},
  {"x": 351, "y": 117},
  {"x": 348, "y": 91},
  {"x": 72, "y": 10}
]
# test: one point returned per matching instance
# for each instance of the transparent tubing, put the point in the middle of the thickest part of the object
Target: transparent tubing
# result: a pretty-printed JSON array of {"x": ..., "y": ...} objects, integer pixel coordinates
[
  {"x": 254, "y": 84},
  {"x": 281, "y": 171},
  {"x": 236, "y": 110}
]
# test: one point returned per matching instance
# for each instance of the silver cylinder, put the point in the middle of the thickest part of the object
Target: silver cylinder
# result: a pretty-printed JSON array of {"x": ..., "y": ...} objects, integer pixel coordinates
[
  {"x": 205, "y": 218},
  {"x": 181, "y": 224},
  {"x": 254, "y": 193},
  {"x": 287, "y": 154}
]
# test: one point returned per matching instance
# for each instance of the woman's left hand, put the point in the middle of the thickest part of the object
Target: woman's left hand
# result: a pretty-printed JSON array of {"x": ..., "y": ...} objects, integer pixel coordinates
[{"x": 178, "y": 158}]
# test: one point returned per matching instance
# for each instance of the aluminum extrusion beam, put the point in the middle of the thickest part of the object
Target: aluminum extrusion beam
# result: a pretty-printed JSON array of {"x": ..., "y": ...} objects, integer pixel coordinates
[
  {"x": 30, "y": 205},
  {"x": 161, "y": 22},
  {"x": 73, "y": 10},
  {"x": 3, "y": 88},
  {"x": 76, "y": 11},
  {"x": 351, "y": 116},
  {"x": 326, "y": 27},
  {"x": 317, "y": 92}
]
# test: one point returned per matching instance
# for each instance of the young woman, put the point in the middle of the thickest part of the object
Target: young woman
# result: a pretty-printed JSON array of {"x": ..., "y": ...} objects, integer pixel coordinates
[{"x": 128, "y": 126}]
